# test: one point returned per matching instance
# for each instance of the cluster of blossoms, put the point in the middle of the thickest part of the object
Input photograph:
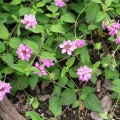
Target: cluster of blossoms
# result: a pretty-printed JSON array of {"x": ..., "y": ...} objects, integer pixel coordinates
[
  {"x": 69, "y": 46},
  {"x": 24, "y": 52},
  {"x": 29, "y": 21},
  {"x": 4, "y": 88},
  {"x": 84, "y": 73},
  {"x": 113, "y": 29},
  {"x": 45, "y": 63},
  {"x": 60, "y": 3}
]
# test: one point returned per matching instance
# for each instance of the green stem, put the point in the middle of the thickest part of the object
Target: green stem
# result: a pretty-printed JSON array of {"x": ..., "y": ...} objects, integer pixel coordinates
[
  {"x": 116, "y": 50},
  {"x": 78, "y": 18}
]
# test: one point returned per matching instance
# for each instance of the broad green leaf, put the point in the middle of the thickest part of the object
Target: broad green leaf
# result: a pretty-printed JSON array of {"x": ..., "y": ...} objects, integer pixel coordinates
[
  {"x": 93, "y": 103},
  {"x": 86, "y": 91},
  {"x": 92, "y": 12},
  {"x": 85, "y": 57},
  {"x": 2, "y": 47},
  {"x": 104, "y": 115},
  {"x": 108, "y": 3},
  {"x": 72, "y": 73},
  {"x": 47, "y": 55},
  {"x": 70, "y": 61},
  {"x": 67, "y": 97},
  {"x": 31, "y": 44},
  {"x": 116, "y": 88},
  {"x": 33, "y": 81},
  {"x": 55, "y": 74},
  {"x": 52, "y": 8},
  {"x": 118, "y": 10},
  {"x": 54, "y": 106},
  {"x": 97, "y": 1},
  {"x": 100, "y": 16},
  {"x": 70, "y": 18},
  {"x": 63, "y": 80},
  {"x": 96, "y": 65},
  {"x": 93, "y": 78},
  {"x": 75, "y": 104},
  {"x": 35, "y": 103},
  {"x": 70, "y": 84},
  {"x": 41, "y": 4},
  {"x": 109, "y": 74},
  {"x": 57, "y": 28},
  {"x": 92, "y": 27},
  {"x": 37, "y": 29},
  {"x": 64, "y": 70},
  {"x": 57, "y": 90},
  {"x": 8, "y": 58},
  {"x": 24, "y": 10},
  {"x": 33, "y": 115},
  {"x": 15, "y": 2},
  {"x": 14, "y": 42},
  {"x": 83, "y": 28},
  {"x": 4, "y": 33},
  {"x": 7, "y": 70}
]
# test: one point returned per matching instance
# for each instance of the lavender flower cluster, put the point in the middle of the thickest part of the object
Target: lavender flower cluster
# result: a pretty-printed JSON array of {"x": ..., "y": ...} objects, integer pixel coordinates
[
  {"x": 113, "y": 29},
  {"x": 4, "y": 89},
  {"x": 60, "y": 3}
]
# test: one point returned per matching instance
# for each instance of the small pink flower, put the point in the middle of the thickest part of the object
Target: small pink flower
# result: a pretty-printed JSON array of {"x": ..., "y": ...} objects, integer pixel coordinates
[
  {"x": 24, "y": 52},
  {"x": 4, "y": 88},
  {"x": 117, "y": 40},
  {"x": 29, "y": 21},
  {"x": 104, "y": 25},
  {"x": 60, "y": 3},
  {"x": 80, "y": 43},
  {"x": 84, "y": 73},
  {"x": 47, "y": 62},
  {"x": 68, "y": 47}
]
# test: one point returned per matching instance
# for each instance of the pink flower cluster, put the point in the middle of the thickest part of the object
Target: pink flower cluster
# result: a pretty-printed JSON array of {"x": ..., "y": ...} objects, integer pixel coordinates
[
  {"x": 45, "y": 63},
  {"x": 29, "y": 21},
  {"x": 60, "y": 3},
  {"x": 113, "y": 29},
  {"x": 84, "y": 73},
  {"x": 24, "y": 52},
  {"x": 69, "y": 46},
  {"x": 4, "y": 88}
]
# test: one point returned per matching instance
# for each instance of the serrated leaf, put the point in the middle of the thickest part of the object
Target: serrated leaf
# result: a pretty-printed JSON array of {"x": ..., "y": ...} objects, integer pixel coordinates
[
  {"x": 67, "y": 17},
  {"x": 2, "y": 47},
  {"x": 31, "y": 44},
  {"x": 3, "y": 32},
  {"x": 33, "y": 81},
  {"x": 57, "y": 28},
  {"x": 33, "y": 115},
  {"x": 14, "y": 42},
  {"x": 47, "y": 55},
  {"x": 70, "y": 62},
  {"x": 85, "y": 57},
  {"x": 8, "y": 58},
  {"x": 93, "y": 103},
  {"x": 35, "y": 103},
  {"x": 54, "y": 106},
  {"x": 67, "y": 97}
]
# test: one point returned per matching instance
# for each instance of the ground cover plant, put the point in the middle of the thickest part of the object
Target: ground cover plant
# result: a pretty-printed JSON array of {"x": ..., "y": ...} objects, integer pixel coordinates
[{"x": 59, "y": 56}]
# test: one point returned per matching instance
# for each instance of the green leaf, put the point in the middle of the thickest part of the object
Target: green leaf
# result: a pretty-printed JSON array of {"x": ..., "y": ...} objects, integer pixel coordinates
[
  {"x": 37, "y": 29},
  {"x": 23, "y": 11},
  {"x": 109, "y": 74},
  {"x": 108, "y": 3},
  {"x": 92, "y": 12},
  {"x": 92, "y": 27},
  {"x": 35, "y": 103},
  {"x": 100, "y": 16},
  {"x": 116, "y": 88},
  {"x": 93, "y": 78},
  {"x": 54, "y": 106},
  {"x": 70, "y": 84},
  {"x": 41, "y": 4},
  {"x": 70, "y": 62},
  {"x": 33, "y": 81},
  {"x": 14, "y": 42},
  {"x": 70, "y": 18},
  {"x": 2, "y": 47},
  {"x": 33, "y": 115},
  {"x": 7, "y": 70},
  {"x": 104, "y": 115},
  {"x": 75, "y": 104},
  {"x": 57, "y": 90},
  {"x": 8, "y": 58},
  {"x": 85, "y": 57},
  {"x": 47, "y": 55},
  {"x": 86, "y": 91},
  {"x": 93, "y": 103},
  {"x": 72, "y": 73},
  {"x": 97, "y": 1},
  {"x": 15, "y": 2},
  {"x": 31, "y": 44},
  {"x": 96, "y": 65},
  {"x": 118, "y": 10},
  {"x": 55, "y": 74},
  {"x": 64, "y": 70},
  {"x": 63, "y": 80},
  {"x": 67, "y": 97},
  {"x": 3, "y": 32},
  {"x": 57, "y": 28},
  {"x": 52, "y": 8}
]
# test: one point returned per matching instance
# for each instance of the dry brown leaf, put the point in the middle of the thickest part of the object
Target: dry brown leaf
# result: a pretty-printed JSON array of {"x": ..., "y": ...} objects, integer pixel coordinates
[
  {"x": 106, "y": 103},
  {"x": 44, "y": 85},
  {"x": 107, "y": 84},
  {"x": 43, "y": 98},
  {"x": 81, "y": 106},
  {"x": 95, "y": 116}
]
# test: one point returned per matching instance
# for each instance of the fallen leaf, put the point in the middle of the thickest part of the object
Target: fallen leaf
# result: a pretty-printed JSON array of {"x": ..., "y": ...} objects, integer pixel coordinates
[
  {"x": 44, "y": 85},
  {"x": 95, "y": 116},
  {"x": 43, "y": 98},
  {"x": 107, "y": 84},
  {"x": 81, "y": 106}
]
